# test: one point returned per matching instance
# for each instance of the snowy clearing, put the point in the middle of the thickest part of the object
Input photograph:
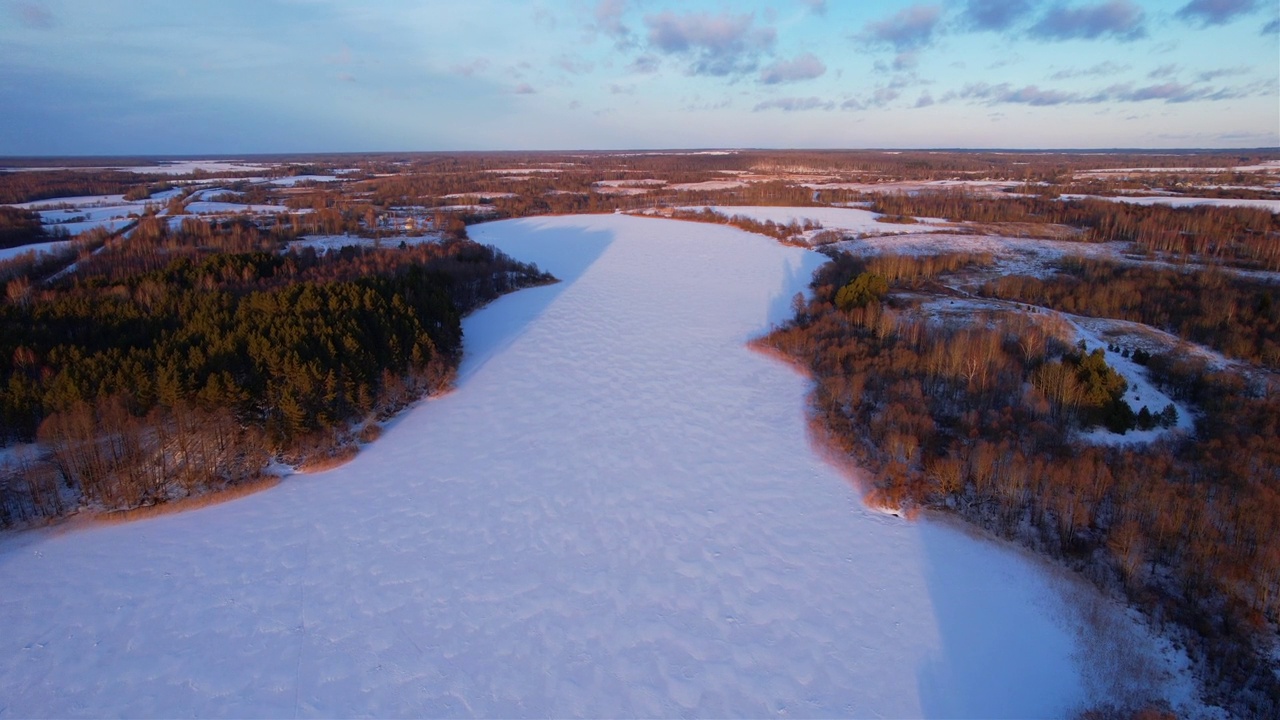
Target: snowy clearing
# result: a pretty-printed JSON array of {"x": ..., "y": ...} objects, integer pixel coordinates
[
  {"x": 326, "y": 243},
  {"x": 38, "y": 248},
  {"x": 77, "y": 201},
  {"x": 617, "y": 513},
  {"x": 851, "y": 220},
  {"x": 997, "y": 187},
  {"x": 292, "y": 181},
  {"x": 708, "y": 185},
  {"x": 221, "y": 208},
  {"x": 1183, "y": 201}
]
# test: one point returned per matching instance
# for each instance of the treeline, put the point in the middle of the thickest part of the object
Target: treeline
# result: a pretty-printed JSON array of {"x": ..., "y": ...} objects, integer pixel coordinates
[
  {"x": 1247, "y": 236},
  {"x": 20, "y": 227},
  {"x": 19, "y": 187},
  {"x": 784, "y": 232},
  {"x": 1237, "y": 316},
  {"x": 150, "y": 385},
  {"x": 975, "y": 420}
]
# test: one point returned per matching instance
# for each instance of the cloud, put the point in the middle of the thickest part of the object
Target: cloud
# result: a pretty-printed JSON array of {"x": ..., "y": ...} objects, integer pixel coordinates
[
  {"x": 1210, "y": 75},
  {"x": 1164, "y": 71},
  {"x": 1102, "y": 69},
  {"x": 474, "y": 67},
  {"x": 645, "y": 64},
  {"x": 995, "y": 14},
  {"x": 573, "y": 65},
  {"x": 524, "y": 89},
  {"x": 33, "y": 15},
  {"x": 795, "y": 104},
  {"x": 804, "y": 67},
  {"x": 817, "y": 7},
  {"x": 924, "y": 101},
  {"x": 616, "y": 89},
  {"x": 1214, "y": 12},
  {"x": 608, "y": 15},
  {"x": 346, "y": 77},
  {"x": 1121, "y": 19},
  {"x": 714, "y": 44},
  {"x": 906, "y": 60},
  {"x": 910, "y": 29},
  {"x": 1006, "y": 93},
  {"x": 1272, "y": 27},
  {"x": 1170, "y": 92}
]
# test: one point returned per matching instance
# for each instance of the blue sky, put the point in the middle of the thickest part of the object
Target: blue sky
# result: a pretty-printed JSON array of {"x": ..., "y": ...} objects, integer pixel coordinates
[{"x": 255, "y": 76}]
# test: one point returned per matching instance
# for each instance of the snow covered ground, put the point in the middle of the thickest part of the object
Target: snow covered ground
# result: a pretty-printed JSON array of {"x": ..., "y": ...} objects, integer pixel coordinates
[
  {"x": 1184, "y": 201},
  {"x": 852, "y": 220},
  {"x": 616, "y": 513},
  {"x": 41, "y": 248},
  {"x": 218, "y": 208},
  {"x": 325, "y": 243}
]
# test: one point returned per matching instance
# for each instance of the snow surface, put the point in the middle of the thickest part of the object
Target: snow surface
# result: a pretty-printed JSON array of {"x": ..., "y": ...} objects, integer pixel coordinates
[
  {"x": 214, "y": 207},
  {"x": 617, "y": 512},
  {"x": 325, "y": 243},
  {"x": 1184, "y": 201},
  {"x": 708, "y": 185},
  {"x": 40, "y": 248},
  {"x": 852, "y": 220},
  {"x": 294, "y": 180}
]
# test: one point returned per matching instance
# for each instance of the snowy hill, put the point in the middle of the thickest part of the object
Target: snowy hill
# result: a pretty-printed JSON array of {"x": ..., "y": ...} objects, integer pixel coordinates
[{"x": 617, "y": 513}]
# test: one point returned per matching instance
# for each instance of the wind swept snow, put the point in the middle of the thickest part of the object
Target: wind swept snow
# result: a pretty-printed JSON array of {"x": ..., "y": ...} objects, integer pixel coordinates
[{"x": 616, "y": 513}]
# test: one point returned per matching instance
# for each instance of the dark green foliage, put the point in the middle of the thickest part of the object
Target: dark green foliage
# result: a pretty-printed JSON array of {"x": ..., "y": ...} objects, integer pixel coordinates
[
  {"x": 861, "y": 291},
  {"x": 293, "y": 343}
]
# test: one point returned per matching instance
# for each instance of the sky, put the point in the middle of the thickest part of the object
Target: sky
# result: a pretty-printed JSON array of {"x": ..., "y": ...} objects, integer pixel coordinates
[{"x": 144, "y": 77}]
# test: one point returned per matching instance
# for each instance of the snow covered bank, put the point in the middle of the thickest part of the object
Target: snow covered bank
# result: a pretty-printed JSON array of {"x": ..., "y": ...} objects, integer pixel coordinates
[
  {"x": 616, "y": 513},
  {"x": 1183, "y": 201},
  {"x": 850, "y": 220}
]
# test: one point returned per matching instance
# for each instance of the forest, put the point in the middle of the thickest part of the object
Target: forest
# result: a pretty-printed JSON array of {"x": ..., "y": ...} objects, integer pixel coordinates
[
  {"x": 1234, "y": 315},
  {"x": 179, "y": 363},
  {"x": 977, "y": 421}
]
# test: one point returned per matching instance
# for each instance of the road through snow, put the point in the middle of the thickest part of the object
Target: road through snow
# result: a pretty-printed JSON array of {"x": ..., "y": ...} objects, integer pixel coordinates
[{"x": 616, "y": 513}]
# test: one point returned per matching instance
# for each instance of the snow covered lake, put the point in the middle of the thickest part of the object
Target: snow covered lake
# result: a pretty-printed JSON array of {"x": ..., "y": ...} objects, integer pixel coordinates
[{"x": 616, "y": 513}]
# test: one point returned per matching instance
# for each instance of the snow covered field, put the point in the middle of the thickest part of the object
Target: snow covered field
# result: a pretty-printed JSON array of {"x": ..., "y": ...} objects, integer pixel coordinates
[
  {"x": 1184, "y": 201},
  {"x": 852, "y": 220},
  {"x": 617, "y": 512},
  {"x": 327, "y": 243}
]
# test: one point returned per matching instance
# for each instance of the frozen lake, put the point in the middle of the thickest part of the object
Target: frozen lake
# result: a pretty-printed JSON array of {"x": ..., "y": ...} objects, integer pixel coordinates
[{"x": 617, "y": 513}]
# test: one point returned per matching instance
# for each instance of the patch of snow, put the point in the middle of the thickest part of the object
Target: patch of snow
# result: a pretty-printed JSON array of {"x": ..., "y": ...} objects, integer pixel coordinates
[
  {"x": 220, "y": 208},
  {"x": 613, "y": 190},
  {"x": 292, "y": 181},
  {"x": 708, "y": 185},
  {"x": 629, "y": 183},
  {"x": 1183, "y": 201},
  {"x": 852, "y": 220},
  {"x": 915, "y": 186},
  {"x": 480, "y": 195},
  {"x": 473, "y": 209},
  {"x": 37, "y": 248},
  {"x": 77, "y": 201},
  {"x": 617, "y": 512},
  {"x": 326, "y": 243}
]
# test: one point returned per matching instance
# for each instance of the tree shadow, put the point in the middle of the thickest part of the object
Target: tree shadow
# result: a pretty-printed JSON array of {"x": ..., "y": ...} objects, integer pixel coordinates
[
  {"x": 1005, "y": 648},
  {"x": 799, "y": 271},
  {"x": 566, "y": 252}
]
